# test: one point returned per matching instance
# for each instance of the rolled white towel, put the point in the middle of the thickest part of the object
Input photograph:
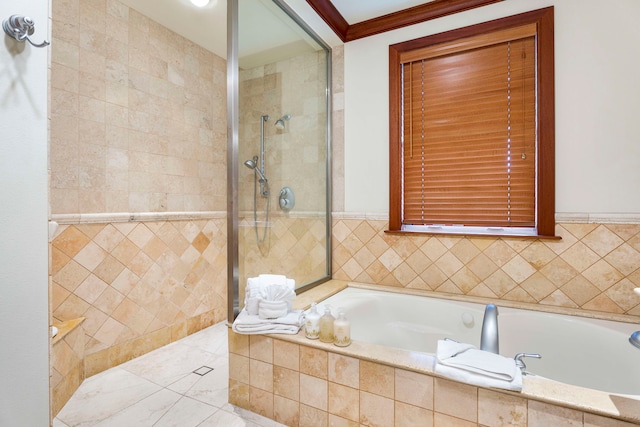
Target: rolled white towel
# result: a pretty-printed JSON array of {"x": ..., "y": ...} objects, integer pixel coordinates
[{"x": 272, "y": 309}]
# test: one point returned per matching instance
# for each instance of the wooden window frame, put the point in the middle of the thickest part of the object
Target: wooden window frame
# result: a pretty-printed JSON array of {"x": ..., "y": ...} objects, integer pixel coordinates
[{"x": 545, "y": 173}]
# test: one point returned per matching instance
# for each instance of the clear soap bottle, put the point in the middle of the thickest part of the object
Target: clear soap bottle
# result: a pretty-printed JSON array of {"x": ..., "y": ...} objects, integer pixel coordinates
[
  {"x": 342, "y": 331},
  {"x": 312, "y": 323},
  {"x": 326, "y": 325}
]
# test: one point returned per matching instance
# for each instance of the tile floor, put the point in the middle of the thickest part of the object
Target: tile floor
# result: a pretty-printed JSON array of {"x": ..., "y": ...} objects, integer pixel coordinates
[{"x": 171, "y": 386}]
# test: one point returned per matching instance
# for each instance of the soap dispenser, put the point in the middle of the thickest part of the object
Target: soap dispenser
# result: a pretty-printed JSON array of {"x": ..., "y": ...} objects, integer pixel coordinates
[
  {"x": 342, "y": 330},
  {"x": 312, "y": 323},
  {"x": 326, "y": 325}
]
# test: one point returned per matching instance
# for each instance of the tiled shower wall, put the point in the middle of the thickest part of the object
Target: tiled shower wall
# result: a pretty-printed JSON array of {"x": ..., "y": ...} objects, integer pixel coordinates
[
  {"x": 593, "y": 267},
  {"x": 138, "y": 115},
  {"x": 139, "y": 285},
  {"x": 295, "y": 156},
  {"x": 137, "y": 129}
]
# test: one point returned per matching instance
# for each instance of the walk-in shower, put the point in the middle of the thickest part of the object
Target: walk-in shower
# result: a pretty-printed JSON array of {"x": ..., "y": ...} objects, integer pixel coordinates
[{"x": 279, "y": 213}]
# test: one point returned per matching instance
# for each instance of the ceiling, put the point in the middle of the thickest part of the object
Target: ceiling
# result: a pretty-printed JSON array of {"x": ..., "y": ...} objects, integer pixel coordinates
[
  {"x": 346, "y": 19},
  {"x": 208, "y": 26},
  {"x": 355, "y": 11}
]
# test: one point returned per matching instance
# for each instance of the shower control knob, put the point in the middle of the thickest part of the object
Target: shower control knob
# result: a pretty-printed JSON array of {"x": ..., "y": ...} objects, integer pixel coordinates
[{"x": 287, "y": 199}]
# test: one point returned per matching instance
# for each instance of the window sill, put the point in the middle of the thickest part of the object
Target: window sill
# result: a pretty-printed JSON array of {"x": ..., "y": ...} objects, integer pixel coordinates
[{"x": 471, "y": 232}]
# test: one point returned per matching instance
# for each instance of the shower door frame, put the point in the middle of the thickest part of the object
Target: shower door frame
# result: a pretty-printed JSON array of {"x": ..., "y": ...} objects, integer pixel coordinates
[{"x": 233, "y": 143}]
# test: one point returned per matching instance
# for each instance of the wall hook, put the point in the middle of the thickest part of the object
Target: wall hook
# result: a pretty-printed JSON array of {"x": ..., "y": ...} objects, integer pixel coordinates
[{"x": 20, "y": 28}]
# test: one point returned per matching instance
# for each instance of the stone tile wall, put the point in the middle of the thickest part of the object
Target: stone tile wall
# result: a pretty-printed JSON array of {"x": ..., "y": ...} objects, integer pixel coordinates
[
  {"x": 138, "y": 114},
  {"x": 593, "y": 267},
  {"x": 140, "y": 285},
  {"x": 298, "y": 385},
  {"x": 67, "y": 364}
]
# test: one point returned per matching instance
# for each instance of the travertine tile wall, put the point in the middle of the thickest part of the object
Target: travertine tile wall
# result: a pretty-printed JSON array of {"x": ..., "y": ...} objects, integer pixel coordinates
[
  {"x": 295, "y": 156},
  {"x": 593, "y": 267},
  {"x": 299, "y": 385},
  {"x": 139, "y": 285},
  {"x": 138, "y": 125},
  {"x": 294, "y": 243},
  {"x": 67, "y": 365},
  {"x": 138, "y": 114}
]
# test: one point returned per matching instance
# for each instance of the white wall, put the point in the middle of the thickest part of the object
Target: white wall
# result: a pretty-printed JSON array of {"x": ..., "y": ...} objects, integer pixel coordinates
[
  {"x": 597, "y": 104},
  {"x": 24, "y": 345}
]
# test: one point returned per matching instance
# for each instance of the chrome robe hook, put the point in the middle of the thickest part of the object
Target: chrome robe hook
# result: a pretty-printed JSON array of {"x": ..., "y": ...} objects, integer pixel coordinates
[{"x": 20, "y": 28}]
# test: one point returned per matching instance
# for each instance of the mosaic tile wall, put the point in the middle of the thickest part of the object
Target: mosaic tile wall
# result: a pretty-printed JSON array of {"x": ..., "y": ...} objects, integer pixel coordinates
[
  {"x": 593, "y": 267},
  {"x": 135, "y": 114},
  {"x": 299, "y": 385},
  {"x": 140, "y": 285}
]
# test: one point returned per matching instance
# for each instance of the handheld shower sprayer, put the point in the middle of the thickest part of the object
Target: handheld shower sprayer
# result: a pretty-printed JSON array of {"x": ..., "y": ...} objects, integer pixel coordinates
[{"x": 253, "y": 164}]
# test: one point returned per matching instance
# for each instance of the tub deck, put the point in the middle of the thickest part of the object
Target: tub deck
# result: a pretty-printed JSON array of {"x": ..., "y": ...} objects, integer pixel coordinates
[{"x": 539, "y": 389}]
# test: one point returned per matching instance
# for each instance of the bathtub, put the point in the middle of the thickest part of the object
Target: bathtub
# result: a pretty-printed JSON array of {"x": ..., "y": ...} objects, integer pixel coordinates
[{"x": 579, "y": 351}]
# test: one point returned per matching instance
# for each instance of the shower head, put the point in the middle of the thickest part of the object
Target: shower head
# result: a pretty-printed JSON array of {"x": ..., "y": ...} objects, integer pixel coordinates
[
  {"x": 635, "y": 339},
  {"x": 280, "y": 122},
  {"x": 253, "y": 164}
]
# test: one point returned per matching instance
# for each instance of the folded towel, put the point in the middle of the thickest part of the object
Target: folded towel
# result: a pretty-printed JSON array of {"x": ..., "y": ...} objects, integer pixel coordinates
[
  {"x": 272, "y": 287},
  {"x": 246, "y": 323},
  {"x": 272, "y": 309},
  {"x": 465, "y": 363}
]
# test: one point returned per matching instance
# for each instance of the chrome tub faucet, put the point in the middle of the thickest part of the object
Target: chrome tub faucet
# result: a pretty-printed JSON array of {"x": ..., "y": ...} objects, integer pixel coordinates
[{"x": 489, "y": 337}]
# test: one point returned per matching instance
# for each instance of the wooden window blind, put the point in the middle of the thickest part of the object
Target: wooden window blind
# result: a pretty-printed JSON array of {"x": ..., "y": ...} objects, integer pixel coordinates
[{"x": 469, "y": 131}]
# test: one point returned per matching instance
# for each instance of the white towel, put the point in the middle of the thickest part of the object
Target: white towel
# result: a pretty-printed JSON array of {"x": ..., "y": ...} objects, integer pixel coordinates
[
  {"x": 246, "y": 323},
  {"x": 257, "y": 289},
  {"x": 465, "y": 363}
]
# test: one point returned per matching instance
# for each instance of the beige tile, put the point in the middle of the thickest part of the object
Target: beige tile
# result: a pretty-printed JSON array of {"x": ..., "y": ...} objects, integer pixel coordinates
[
  {"x": 344, "y": 401},
  {"x": 409, "y": 415},
  {"x": 239, "y": 368},
  {"x": 261, "y": 348},
  {"x": 499, "y": 409},
  {"x": 344, "y": 370},
  {"x": 313, "y": 362},
  {"x": 310, "y": 416},
  {"x": 592, "y": 420},
  {"x": 443, "y": 420},
  {"x": 543, "y": 414},
  {"x": 376, "y": 378},
  {"x": 261, "y": 402},
  {"x": 602, "y": 240},
  {"x": 313, "y": 392},
  {"x": 286, "y": 411},
  {"x": 286, "y": 354},
  {"x": 414, "y": 388},
  {"x": 376, "y": 411},
  {"x": 336, "y": 421},
  {"x": 238, "y": 393},
  {"x": 286, "y": 383},
  {"x": 238, "y": 343},
  {"x": 456, "y": 399}
]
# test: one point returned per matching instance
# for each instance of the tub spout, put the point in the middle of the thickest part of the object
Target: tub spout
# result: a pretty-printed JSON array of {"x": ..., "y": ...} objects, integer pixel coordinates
[{"x": 489, "y": 336}]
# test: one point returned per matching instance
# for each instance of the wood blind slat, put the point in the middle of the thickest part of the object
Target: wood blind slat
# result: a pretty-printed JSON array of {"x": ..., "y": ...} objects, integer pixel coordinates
[{"x": 456, "y": 145}]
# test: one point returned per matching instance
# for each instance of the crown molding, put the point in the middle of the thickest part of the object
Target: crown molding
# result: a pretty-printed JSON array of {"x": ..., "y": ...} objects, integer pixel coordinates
[{"x": 392, "y": 21}]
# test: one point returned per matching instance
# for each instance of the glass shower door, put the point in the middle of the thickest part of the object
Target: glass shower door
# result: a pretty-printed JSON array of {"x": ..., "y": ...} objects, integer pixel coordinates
[{"x": 283, "y": 213}]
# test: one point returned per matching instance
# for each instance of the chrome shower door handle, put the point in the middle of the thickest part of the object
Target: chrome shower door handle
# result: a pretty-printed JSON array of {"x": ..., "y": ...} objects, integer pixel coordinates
[{"x": 20, "y": 28}]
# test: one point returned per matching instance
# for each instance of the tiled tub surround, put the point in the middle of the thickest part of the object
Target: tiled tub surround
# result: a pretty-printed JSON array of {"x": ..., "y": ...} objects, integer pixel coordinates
[
  {"x": 300, "y": 382},
  {"x": 140, "y": 285},
  {"x": 593, "y": 267}
]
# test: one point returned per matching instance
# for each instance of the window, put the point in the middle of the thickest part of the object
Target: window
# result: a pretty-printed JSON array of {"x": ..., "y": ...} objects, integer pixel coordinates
[{"x": 472, "y": 129}]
